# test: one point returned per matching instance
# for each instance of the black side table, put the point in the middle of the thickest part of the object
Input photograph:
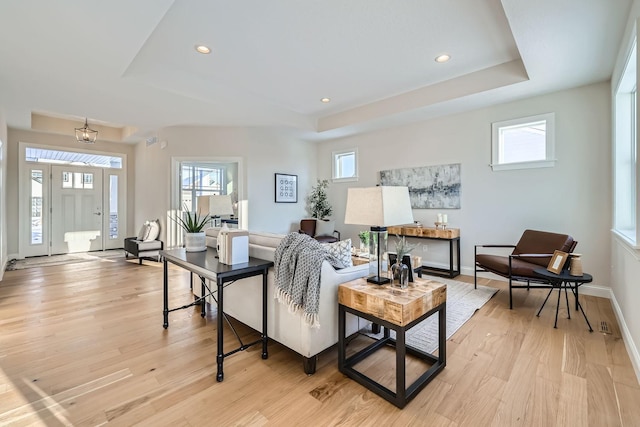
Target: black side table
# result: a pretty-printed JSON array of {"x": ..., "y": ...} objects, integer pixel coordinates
[{"x": 564, "y": 281}]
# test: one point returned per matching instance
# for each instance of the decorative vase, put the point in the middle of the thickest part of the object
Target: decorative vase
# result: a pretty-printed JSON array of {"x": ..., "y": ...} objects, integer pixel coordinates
[
  {"x": 575, "y": 266},
  {"x": 195, "y": 242},
  {"x": 399, "y": 275}
]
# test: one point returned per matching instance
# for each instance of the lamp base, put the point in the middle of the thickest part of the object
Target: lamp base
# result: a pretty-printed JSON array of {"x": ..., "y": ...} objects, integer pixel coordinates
[{"x": 378, "y": 280}]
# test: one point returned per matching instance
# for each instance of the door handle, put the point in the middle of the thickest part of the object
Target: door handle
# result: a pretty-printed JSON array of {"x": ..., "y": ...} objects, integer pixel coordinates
[{"x": 97, "y": 213}]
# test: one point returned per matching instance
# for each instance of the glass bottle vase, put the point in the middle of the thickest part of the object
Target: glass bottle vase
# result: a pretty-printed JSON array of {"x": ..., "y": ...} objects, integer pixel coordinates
[{"x": 400, "y": 275}]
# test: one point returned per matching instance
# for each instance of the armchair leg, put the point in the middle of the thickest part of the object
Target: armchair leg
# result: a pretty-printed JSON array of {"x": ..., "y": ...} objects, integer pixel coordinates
[
  {"x": 475, "y": 267},
  {"x": 510, "y": 295}
]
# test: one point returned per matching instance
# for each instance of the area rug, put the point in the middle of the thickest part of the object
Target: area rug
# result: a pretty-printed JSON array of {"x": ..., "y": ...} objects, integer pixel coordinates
[
  {"x": 462, "y": 302},
  {"x": 46, "y": 261}
]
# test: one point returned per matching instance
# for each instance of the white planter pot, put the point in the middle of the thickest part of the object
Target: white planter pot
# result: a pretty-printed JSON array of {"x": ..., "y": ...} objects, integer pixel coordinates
[{"x": 195, "y": 242}]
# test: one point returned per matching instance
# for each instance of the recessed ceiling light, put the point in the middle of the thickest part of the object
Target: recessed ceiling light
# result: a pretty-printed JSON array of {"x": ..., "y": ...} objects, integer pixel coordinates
[
  {"x": 325, "y": 100},
  {"x": 443, "y": 58},
  {"x": 203, "y": 49}
]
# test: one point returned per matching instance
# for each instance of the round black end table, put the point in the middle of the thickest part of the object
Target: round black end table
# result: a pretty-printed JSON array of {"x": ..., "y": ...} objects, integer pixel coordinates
[{"x": 565, "y": 281}]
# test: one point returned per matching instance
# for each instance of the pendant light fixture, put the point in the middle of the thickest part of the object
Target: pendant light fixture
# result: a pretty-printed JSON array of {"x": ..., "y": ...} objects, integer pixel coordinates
[{"x": 85, "y": 134}]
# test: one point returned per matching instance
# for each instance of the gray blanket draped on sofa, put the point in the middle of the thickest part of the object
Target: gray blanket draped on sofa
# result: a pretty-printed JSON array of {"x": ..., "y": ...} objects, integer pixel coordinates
[{"x": 297, "y": 264}]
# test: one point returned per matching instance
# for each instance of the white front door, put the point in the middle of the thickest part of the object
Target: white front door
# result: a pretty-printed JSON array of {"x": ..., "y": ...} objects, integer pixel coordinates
[{"x": 76, "y": 209}]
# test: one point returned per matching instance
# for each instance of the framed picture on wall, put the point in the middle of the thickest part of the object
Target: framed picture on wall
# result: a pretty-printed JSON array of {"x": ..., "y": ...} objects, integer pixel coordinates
[{"x": 286, "y": 188}]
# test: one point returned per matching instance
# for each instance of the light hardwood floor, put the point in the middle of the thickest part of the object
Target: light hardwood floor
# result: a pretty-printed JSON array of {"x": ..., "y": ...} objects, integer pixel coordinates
[{"x": 83, "y": 345}]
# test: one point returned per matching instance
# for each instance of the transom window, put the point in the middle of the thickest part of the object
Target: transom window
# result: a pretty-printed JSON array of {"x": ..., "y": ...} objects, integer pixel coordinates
[
  {"x": 523, "y": 143},
  {"x": 45, "y": 155}
]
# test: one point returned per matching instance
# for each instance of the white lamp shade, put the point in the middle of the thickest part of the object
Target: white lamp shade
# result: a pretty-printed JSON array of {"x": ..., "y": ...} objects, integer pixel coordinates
[
  {"x": 378, "y": 206},
  {"x": 215, "y": 205}
]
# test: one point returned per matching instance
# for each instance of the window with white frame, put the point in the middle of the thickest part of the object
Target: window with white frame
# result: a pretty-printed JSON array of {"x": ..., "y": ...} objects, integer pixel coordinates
[
  {"x": 345, "y": 165},
  {"x": 200, "y": 179},
  {"x": 523, "y": 143},
  {"x": 625, "y": 152}
]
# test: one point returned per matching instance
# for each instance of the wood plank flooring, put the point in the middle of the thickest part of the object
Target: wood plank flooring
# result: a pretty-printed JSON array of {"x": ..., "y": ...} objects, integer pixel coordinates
[{"x": 83, "y": 345}]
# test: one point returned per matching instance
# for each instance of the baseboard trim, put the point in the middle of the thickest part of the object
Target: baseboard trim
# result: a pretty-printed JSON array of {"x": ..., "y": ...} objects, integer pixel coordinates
[
  {"x": 596, "y": 291},
  {"x": 632, "y": 348}
]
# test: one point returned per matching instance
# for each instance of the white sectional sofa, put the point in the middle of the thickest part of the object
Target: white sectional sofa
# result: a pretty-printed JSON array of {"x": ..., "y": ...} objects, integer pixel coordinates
[{"x": 243, "y": 301}]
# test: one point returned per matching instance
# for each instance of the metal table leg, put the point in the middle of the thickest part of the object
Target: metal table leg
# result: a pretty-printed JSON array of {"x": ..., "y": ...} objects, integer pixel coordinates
[
  {"x": 165, "y": 288},
  {"x": 220, "y": 356}
]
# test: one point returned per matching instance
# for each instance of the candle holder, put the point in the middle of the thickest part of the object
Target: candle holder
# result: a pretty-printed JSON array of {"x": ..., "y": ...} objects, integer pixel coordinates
[{"x": 438, "y": 224}]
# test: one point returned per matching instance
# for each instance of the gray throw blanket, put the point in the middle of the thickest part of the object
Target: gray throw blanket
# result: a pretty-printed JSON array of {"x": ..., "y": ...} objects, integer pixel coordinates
[{"x": 297, "y": 264}]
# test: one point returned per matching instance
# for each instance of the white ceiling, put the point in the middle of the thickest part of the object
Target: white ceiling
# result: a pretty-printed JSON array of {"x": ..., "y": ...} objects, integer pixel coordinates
[{"x": 133, "y": 63}]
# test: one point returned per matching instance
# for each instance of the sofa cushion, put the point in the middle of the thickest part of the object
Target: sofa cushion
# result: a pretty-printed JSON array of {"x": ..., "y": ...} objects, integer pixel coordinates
[
  {"x": 542, "y": 242},
  {"x": 265, "y": 239},
  {"x": 340, "y": 250},
  {"x": 144, "y": 230},
  {"x": 325, "y": 228},
  {"x": 153, "y": 230},
  {"x": 500, "y": 265}
]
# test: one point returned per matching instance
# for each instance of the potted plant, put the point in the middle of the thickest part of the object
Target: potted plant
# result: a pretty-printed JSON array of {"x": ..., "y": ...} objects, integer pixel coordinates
[
  {"x": 400, "y": 271},
  {"x": 364, "y": 241},
  {"x": 317, "y": 203},
  {"x": 193, "y": 226}
]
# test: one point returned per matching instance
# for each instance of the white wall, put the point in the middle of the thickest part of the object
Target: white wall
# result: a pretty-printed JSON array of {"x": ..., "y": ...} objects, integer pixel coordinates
[
  {"x": 625, "y": 260},
  {"x": 573, "y": 197},
  {"x": 4, "y": 250},
  {"x": 264, "y": 152}
]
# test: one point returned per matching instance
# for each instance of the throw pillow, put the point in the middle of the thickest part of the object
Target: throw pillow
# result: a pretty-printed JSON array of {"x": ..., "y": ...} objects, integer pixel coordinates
[
  {"x": 325, "y": 228},
  {"x": 144, "y": 230},
  {"x": 154, "y": 230},
  {"x": 341, "y": 250}
]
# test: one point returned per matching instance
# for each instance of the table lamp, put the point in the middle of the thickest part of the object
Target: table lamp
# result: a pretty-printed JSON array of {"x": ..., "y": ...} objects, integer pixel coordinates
[
  {"x": 215, "y": 206},
  {"x": 378, "y": 207}
]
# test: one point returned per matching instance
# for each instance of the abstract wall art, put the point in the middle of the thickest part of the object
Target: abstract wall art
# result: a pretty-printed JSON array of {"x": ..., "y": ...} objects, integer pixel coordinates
[{"x": 430, "y": 187}]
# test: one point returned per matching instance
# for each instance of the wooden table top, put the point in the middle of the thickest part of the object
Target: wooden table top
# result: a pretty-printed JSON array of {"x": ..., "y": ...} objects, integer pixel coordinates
[{"x": 396, "y": 306}]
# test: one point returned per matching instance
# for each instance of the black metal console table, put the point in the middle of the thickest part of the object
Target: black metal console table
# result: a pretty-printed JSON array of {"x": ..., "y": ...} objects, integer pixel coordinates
[{"x": 205, "y": 264}]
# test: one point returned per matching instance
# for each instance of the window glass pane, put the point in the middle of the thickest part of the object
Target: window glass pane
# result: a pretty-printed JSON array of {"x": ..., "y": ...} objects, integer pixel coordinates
[
  {"x": 72, "y": 158},
  {"x": 200, "y": 180},
  {"x": 66, "y": 179},
  {"x": 77, "y": 179},
  {"x": 113, "y": 206},
  {"x": 87, "y": 180},
  {"x": 346, "y": 165},
  {"x": 36, "y": 207},
  {"x": 524, "y": 143}
]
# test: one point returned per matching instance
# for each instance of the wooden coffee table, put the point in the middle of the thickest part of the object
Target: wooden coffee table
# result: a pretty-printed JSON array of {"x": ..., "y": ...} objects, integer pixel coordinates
[{"x": 399, "y": 311}]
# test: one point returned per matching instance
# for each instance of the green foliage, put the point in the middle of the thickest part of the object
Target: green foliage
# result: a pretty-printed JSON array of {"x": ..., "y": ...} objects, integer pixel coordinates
[
  {"x": 192, "y": 222},
  {"x": 402, "y": 247},
  {"x": 317, "y": 203},
  {"x": 364, "y": 237}
]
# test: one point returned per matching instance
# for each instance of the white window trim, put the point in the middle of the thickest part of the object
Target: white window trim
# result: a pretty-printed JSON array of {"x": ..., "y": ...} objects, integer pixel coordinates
[
  {"x": 549, "y": 162},
  {"x": 334, "y": 172},
  {"x": 625, "y": 142}
]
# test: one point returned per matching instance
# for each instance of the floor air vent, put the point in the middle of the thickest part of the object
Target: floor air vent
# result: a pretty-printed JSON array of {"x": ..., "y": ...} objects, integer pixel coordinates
[{"x": 604, "y": 328}]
